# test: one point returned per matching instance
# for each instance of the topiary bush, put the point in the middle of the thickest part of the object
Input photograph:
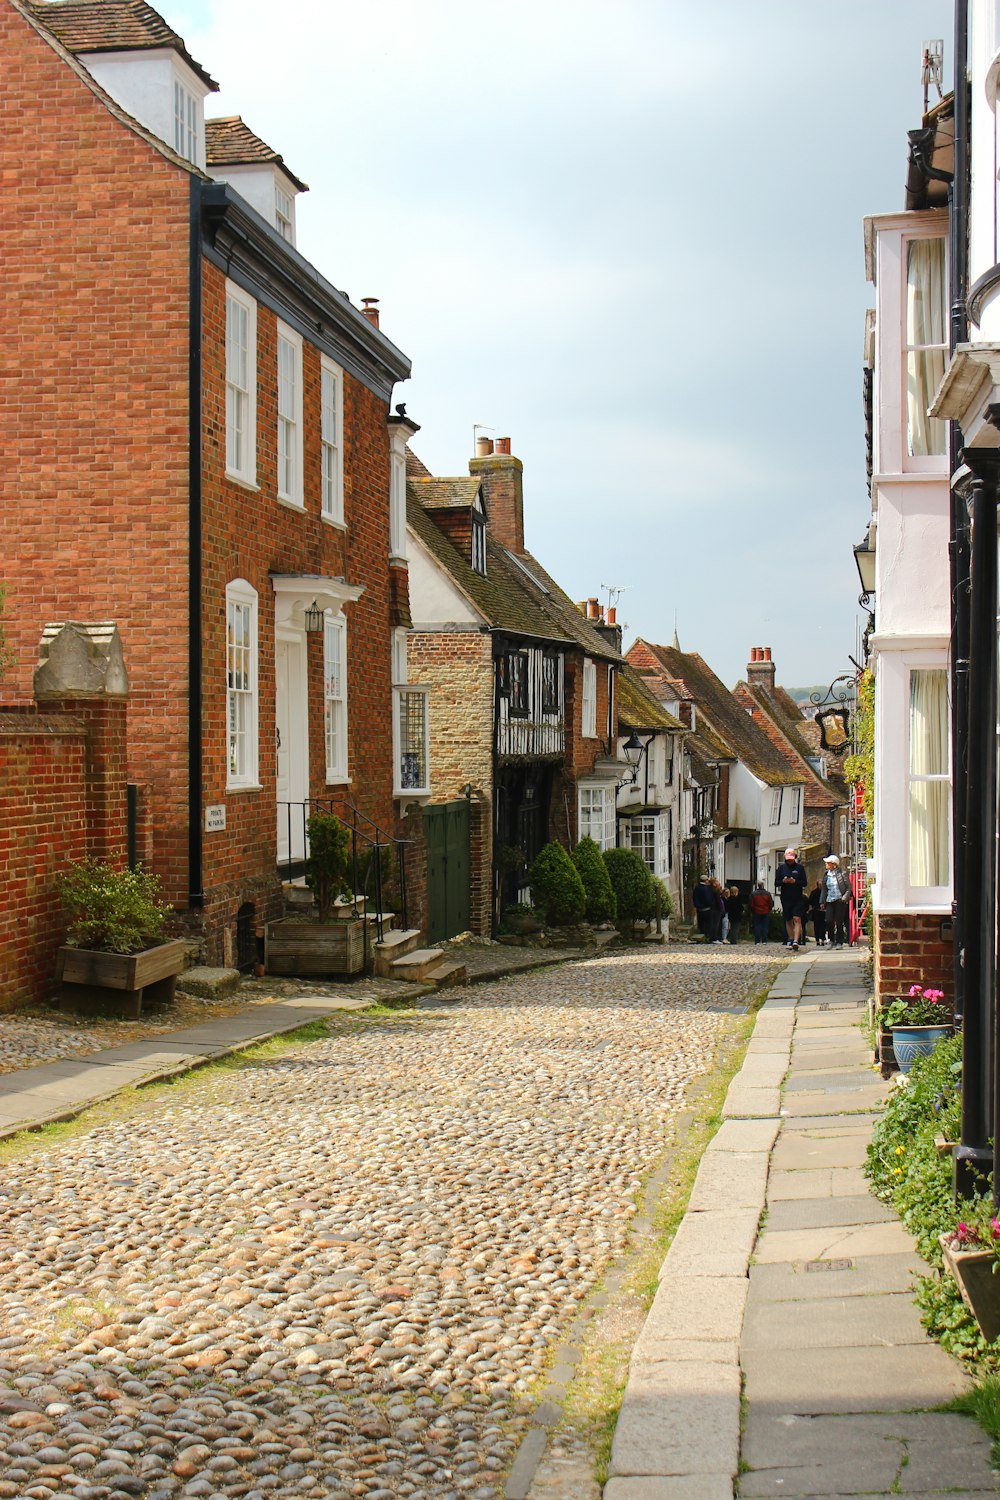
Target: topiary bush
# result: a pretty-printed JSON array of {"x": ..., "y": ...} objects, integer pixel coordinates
[
  {"x": 556, "y": 888},
  {"x": 666, "y": 901},
  {"x": 329, "y": 858},
  {"x": 601, "y": 903},
  {"x": 632, "y": 884}
]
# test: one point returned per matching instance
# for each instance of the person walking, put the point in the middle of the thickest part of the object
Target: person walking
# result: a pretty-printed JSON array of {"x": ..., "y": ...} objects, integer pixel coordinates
[
  {"x": 817, "y": 915},
  {"x": 790, "y": 883},
  {"x": 761, "y": 907},
  {"x": 836, "y": 893},
  {"x": 721, "y": 892},
  {"x": 734, "y": 911}
]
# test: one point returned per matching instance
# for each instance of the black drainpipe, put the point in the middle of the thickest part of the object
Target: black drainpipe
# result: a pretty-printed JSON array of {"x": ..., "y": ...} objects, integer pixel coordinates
[
  {"x": 196, "y": 894},
  {"x": 958, "y": 545}
]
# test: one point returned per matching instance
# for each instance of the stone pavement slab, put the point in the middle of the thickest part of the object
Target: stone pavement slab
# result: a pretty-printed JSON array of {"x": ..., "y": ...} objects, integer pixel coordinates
[
  {"x": 745, "y": 1135},
  {"x": 709, "y": 1487},
  {"x": 834, "y": 1323},
  {"x": 846, "y": 1098},
  {"x": 823, "y": 1213},
  {"x": 821, "y": 1182},
  {"x": 835, "y": 1243},
  {"x": 718, "y": 1243},
  {"x": 789, "y": 1441},
  {"x": 745, "y": 1103},
  {"x": 812, "y": 1381},
  {"x": 830, "y": 1080},
  {"x": 678, "y": 1419},
  {"x": 697, "y": 1307},
  {"x": 798, "y": 1150},
  {"x": 737, "y": 1178},
  {"x": 858, "y": 1276}
]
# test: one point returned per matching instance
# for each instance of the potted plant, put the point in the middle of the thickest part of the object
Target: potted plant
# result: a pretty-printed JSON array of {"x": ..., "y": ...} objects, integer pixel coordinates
[
  {"x": 332, "y": 941},
  {"x": 114, "y": 940},
  {"x": 972, "y": 1254},
  {"x": 917, "y": 1020}
]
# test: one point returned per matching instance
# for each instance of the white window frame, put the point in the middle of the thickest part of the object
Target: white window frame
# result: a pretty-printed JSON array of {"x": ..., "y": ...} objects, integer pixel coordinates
[
  {"x": 919, "y": 462},
  {"x": 400, "y": 662},
  {"x": 397, "y": 507},
  {"x": 596, "y": 812},
  {"x": 796, "y": 810},
  {"x": 776, "y": 800},
  {"x": 933, "y": 895},
  {"x": 335, "y": 695},
  {"x": 331, "y": 441},
  {"x": 241, "y": 399},
  {"x": 588, "y": 706},
  {"x": 284, "y": 214},
  {"x": 479, "y": 542},
  {"x": 289, "y": 419},
  {"x": 242, "y": 707},
  {"x": 185, "y": 114}
]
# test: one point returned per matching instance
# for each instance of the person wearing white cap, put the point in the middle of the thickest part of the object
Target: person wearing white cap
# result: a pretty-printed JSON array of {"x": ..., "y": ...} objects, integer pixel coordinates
[
  {"x": 836, "y": 892},
  {"x": 790, "y": 883}
]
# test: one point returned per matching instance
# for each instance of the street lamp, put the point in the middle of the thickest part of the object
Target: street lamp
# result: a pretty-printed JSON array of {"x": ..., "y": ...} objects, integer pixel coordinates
[
  {"x": 864, "y": 557},
  {"x": 634, "y": 750}
]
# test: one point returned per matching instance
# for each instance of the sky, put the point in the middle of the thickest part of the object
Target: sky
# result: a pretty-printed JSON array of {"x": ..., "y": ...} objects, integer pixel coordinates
[{"x": 628, "y": 235}]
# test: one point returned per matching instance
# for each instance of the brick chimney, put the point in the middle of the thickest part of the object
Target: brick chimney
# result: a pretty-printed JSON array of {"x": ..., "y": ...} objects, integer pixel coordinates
[
  {"x": 760, "y": 668},
  {"x": 501, "y": 476}
]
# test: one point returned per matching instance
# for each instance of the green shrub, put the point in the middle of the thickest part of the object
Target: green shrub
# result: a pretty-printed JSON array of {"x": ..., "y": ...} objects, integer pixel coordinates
[
  {"x": 907, "y": 1172},
  {"x": 329, "y": 858},
  {"x": 632, "y": 884},
  {"x": 556, "y": 888},
  {"x": 601, "y": 903},
  {"x": 666, "y": 901},
  {"x": 112, "y": 911}
]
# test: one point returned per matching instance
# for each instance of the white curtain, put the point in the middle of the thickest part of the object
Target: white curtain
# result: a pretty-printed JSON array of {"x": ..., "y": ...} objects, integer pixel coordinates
[
  {"x": 925, "y": 326},
  {"x": 929, "y": 798}
]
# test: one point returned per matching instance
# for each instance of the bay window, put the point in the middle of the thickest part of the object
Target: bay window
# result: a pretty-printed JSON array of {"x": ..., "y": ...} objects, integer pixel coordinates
[
  {"x": 597, "y": 813},
  {"x": 925, "y": 349}
]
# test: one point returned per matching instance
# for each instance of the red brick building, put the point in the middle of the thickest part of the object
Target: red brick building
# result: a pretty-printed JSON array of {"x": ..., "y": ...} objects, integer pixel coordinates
[
  {"x": 204, "y": 455},
  {"x": 523, "y": 712}
]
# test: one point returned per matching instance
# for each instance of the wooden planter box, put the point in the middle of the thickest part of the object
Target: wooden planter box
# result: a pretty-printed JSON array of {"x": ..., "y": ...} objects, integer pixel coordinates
[
  {"x": 298, "y": 948},
  {"x": 88, "y": 976},
  {"x": 979, "y": 1286}
]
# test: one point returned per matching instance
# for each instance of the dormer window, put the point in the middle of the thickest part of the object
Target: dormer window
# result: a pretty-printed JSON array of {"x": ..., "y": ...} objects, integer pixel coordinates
[
  {"x": 479, "y": 542},
  {"x": 283, "y": 213},
  {"x": 185, "y": 122}
]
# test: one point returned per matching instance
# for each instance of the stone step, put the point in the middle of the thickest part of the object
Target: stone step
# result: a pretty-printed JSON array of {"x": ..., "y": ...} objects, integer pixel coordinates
[
  {"x": 419, "y": 964},
  {"x": 449, "y": 973},
  {"x": 209, "y": 983},
  {"x": 606, "y": 939},
  {"x": 397, "y": 943}
]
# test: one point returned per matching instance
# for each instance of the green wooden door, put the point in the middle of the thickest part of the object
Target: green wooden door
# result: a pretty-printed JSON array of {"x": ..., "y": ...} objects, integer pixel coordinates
[{"x": 446, "y": 825}]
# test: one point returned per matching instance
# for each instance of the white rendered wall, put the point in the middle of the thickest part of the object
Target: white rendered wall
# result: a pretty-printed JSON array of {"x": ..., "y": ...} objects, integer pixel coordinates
[
  {"x": 911, "y": 557},
  {"x": 142, "y": 82},
  {"x": 434, "y": 599},
  {"x": 256, "y": 183},
  {"x": 985, "y": 157},
  {"x": 744, "y": 798}
]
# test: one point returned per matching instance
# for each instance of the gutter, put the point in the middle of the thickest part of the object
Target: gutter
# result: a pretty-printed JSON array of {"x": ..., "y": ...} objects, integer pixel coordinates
[{"x": 196, "y": 893}]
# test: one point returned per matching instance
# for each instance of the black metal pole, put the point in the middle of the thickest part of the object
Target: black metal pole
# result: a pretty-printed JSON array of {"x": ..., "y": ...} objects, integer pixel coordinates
[
  {"x": 958, "y": 546},
  {"x": 974, "y": 1156}
]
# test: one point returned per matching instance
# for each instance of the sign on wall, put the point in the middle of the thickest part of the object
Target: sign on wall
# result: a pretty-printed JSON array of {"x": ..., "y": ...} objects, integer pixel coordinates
[{"x": 215, "y": 818}]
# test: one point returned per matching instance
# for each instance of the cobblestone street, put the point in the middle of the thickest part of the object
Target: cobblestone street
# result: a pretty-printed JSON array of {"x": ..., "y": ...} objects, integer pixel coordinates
[{"x": 338, "y": 1271}]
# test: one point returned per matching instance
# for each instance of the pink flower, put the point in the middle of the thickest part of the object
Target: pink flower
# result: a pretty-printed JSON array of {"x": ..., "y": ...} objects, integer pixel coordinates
[
  {"x": 964, "y": 1234},
  {"x": 915, "y": 990},
  {"x": 934, "y": 995},
  {"x": 995, "y": 1226}
]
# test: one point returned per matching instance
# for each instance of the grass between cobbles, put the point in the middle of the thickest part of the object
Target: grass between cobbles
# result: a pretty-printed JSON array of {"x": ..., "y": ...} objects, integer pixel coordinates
[
  {"x": 907, "y": 1172},
  {"x": 594, "y": 1397}
]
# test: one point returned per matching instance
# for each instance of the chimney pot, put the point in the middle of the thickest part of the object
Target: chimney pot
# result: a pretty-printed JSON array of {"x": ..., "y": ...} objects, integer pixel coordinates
[
  {"x": 612, "y": 615},
  {"x": 503, "y": 445},
  {"x": 592, "y": 610},
  {"x": 484, "y": 447},
  {"x": 767, "y": 653},
  {"x": 369, "y": 307}
]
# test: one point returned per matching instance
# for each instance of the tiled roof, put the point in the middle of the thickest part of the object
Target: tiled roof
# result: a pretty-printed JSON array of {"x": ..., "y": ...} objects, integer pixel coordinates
[
  {"x": 703, "y": 760},
  {"x": 112, "y": 26},
  {"x": 564, "y": 612},
  {"x": 783, "y": 733},
  {"x": 415, "y": 467},
  {"x": 729, "y": 721},
  {"x": 638, "y": 708},
  {"x": 444, "y": 494},
  {"x": 229, "y": 142}
]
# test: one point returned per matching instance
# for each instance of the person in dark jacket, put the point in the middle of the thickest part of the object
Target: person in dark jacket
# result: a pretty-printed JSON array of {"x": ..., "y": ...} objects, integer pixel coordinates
[
  {"x": 703, "y": 901},
  {"x": 817, "y": 915},
  {"x": 790, "y": 884},
  {"x": 761, "y": 907},
  {"x": 734, "y": 910}
]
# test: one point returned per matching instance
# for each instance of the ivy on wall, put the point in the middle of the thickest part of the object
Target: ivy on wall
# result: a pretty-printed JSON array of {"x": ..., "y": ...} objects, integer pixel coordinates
[{"x": 859, "y": 768}]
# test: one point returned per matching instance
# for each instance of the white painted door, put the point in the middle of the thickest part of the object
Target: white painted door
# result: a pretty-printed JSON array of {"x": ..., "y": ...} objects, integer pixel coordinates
[{"x": 291, "y": 744}]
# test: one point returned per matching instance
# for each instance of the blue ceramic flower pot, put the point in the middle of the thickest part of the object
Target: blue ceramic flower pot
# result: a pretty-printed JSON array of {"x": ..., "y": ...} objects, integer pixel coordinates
[{"x": 909, "y": 1042}]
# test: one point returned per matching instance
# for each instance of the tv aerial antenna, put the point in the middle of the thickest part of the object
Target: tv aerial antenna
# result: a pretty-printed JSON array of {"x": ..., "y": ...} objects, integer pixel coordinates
[{"x": 932, "y": 69}]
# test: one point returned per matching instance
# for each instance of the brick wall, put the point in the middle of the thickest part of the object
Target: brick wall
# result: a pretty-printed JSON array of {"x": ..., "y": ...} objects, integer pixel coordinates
[
  {"x": 251, "y": 534},
  {"x": 458, "y": 668},
  {"x": 95, "y": 508},
  {"x": 62, "y": 799},
  {"x": 909, "y": 950}
]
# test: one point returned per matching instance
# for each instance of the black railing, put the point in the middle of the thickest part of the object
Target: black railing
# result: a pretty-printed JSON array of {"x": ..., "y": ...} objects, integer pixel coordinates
[{"x": 370, "y": 851}]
